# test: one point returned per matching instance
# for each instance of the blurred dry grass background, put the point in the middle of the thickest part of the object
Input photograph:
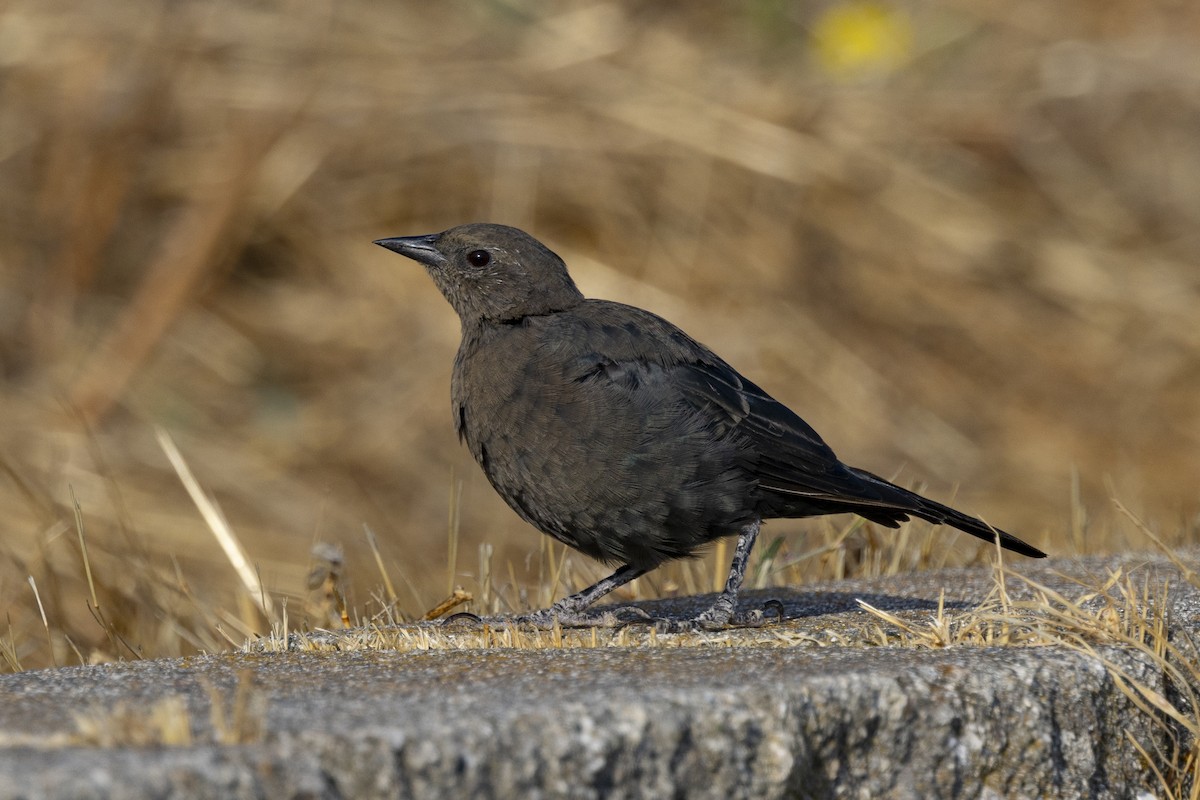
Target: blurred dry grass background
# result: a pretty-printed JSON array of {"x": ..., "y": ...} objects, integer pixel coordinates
[{"x": 962, "y": 240}]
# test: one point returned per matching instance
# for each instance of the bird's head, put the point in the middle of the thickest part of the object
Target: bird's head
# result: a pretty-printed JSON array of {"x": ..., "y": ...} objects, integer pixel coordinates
[{"x": 491, "y": 273}]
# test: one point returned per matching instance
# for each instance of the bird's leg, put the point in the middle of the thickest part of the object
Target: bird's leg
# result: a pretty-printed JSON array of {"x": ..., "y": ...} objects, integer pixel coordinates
[
  {"x": 721, "y": 612},
  {"x": 569, "y": 610}
]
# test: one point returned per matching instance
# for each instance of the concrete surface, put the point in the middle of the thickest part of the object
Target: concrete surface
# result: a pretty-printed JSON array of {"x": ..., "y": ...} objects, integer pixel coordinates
[{"x": 720, "y": 719}]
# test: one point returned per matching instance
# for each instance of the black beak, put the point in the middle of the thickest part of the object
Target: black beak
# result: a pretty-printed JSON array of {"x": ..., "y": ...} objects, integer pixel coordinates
[{"x": 422, "y": 249}]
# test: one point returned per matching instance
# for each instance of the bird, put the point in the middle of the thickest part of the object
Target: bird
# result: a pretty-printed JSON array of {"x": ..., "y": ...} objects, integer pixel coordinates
[{"x": 611, "y": 430}]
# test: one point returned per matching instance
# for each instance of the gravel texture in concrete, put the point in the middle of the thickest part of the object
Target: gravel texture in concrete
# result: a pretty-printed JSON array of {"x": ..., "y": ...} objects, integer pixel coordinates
[{"x": 720, "y": 719}]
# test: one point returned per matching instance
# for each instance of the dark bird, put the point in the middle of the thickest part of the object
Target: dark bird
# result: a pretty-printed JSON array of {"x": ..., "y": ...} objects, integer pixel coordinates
[{"x": 610, "y": 429}]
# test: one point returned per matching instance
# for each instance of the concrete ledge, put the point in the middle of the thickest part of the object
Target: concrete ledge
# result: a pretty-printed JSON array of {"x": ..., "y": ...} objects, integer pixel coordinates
[{"x": 708, "y": 721}]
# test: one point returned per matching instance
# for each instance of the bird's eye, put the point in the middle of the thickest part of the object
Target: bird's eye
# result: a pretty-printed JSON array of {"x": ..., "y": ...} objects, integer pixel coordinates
[{"x": 479, "y": 258}]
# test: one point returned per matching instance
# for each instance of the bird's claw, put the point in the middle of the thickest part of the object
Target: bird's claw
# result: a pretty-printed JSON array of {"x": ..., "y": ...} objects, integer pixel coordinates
[
  {"x": 718, "y": 617},
  {"x": 547, "y": 618},
  {"x": 777, "y": 607},
  {"x": 715, "y": 619}
]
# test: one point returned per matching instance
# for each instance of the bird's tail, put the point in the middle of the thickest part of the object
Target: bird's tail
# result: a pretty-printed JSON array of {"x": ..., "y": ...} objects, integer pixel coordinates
[{"x": 939, "y": 514}]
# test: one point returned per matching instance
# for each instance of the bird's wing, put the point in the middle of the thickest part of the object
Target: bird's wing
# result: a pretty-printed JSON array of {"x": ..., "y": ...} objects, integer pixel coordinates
[
  {"x": 646, "y": 358},
  {"x": 787, "y": 455}
]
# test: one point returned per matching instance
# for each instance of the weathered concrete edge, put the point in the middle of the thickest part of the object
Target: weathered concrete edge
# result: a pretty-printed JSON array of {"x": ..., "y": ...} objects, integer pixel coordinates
[
  {"x": 963, "y": 722},
  {"x": 952, "y": 724}
]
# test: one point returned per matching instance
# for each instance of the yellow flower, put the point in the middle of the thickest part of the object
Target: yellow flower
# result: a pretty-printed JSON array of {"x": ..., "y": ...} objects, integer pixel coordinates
[{"x": 858, "y": 38}]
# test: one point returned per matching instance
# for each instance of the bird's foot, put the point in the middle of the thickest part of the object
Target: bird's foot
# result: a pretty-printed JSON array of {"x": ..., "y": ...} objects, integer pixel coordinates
[
  {"x": 568, "y": 617},
  {"x": 722, "y": 615},
  {"x": 545, "y": 619}
]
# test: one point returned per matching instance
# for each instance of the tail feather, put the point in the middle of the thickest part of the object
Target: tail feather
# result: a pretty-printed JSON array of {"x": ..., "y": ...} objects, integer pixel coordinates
[{"x": 939, "y": 514}]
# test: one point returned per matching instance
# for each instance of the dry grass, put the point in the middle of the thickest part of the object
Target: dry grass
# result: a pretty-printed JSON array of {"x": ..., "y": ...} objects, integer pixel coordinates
[
  {"x": 969, "y": 256},
  {"x": 1122, "y": 613}
]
